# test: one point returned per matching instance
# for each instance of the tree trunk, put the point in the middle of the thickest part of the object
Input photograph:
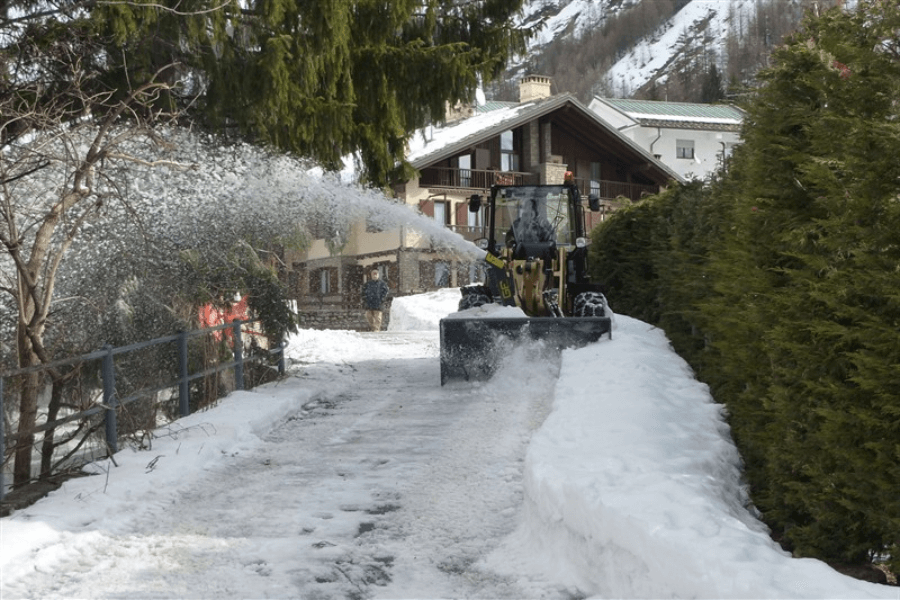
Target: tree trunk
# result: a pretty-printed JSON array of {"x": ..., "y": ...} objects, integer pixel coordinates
[
  {"x": 48, "y": 445},
  {"x": 28, "y": 409}
]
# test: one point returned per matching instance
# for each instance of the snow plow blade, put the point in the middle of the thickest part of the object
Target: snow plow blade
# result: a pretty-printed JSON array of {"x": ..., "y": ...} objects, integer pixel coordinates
[{"x": 471, "y": 349}]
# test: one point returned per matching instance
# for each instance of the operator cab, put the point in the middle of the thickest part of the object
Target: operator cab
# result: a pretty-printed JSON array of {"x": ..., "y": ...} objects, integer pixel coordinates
[{"x": 533, "y": 220}]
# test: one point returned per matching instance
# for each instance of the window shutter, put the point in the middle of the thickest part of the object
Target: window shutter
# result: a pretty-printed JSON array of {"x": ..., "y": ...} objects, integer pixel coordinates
[
  {"x": 482, "y": 159},
  {"x": 427, "y": 207},
  {"x": 462, "y": 213}
]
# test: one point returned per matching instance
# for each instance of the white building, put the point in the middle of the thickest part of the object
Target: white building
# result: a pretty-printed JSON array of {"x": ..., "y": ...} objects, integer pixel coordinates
[{"x": 693, "y": 140}]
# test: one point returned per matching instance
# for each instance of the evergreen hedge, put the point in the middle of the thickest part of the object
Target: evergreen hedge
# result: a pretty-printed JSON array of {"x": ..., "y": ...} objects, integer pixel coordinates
[{"x": 780, "y": 284}]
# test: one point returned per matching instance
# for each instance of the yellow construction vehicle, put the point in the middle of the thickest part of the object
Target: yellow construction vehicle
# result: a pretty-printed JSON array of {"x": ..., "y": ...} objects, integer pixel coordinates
[{"x": 536, "y": 259}]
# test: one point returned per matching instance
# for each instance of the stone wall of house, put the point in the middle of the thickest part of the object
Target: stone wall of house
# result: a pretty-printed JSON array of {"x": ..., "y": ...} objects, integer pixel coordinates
[
  {"x": 531, "y": 146},
  {"x": 553, "y": 173}
]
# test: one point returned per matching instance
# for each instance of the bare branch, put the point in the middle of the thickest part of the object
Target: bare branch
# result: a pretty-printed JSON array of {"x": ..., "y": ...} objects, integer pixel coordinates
[
  {"x": 53, "y": 266},
  {"x": 25, "y": 173},
  {"x": 154, "y": 163}
]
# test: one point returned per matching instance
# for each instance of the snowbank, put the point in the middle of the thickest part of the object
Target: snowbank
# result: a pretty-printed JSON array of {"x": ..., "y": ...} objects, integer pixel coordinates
[{"x": 633, "y": 488}]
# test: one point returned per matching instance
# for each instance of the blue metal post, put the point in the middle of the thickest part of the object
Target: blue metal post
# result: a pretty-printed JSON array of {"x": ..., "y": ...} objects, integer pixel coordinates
[
  {"x": 184, "y": 389},
  {"x": 109, "y": 399},
  {"x": 238, "y": 356}
]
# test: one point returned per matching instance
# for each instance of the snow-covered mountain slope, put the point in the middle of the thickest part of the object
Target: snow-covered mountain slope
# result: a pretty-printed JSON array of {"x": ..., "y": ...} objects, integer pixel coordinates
[
  {"x": 701, "y": 26},
  {"x": 691, "y": 35},
  {"x": 567, "y": 18}
]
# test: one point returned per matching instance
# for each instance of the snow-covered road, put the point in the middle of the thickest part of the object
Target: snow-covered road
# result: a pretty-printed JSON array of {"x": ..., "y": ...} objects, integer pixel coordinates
[
  {"x": 427, "y": 481},
  {"x": 383, "y": 483},
  {"x": 608, "y": 472}
]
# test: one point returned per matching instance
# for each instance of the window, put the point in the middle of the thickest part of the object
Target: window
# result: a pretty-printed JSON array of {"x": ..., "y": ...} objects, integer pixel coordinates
[
  {"x": 372, "y": 226},
  {"x": 473, "y": 219},
  {"x": 684, "y": 148},
  {"x": 509, "y": 160},
  {"x": 322, "y": 281},
  {"x": 319, "y": 228},
  {"x": 595, "y": 179},
  {"x": 465, "y": 170},
  {"x": 442, "y": 212},
  {"x": 441, "y": 274}
]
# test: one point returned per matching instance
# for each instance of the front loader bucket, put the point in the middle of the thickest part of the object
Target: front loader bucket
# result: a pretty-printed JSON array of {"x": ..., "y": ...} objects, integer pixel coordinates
[{"x": 471, "y": 349}]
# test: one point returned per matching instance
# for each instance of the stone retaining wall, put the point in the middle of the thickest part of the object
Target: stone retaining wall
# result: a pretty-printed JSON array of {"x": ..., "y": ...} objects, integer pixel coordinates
[{"x": 337, "y": 317}]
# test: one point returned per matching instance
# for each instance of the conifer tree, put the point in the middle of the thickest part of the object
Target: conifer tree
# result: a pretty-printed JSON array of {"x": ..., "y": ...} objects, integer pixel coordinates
[
  {"x": 712, "y": 90},
  {"x": 821, "y": 142},
  {"x": 319, "y": 79},
  {"x": 795, "y": 321}
]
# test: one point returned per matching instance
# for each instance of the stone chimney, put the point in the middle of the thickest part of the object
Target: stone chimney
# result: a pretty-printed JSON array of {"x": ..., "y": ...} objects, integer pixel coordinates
[
  {"x": 457, "y": 112},
  {"x": 534, "y": 87}
]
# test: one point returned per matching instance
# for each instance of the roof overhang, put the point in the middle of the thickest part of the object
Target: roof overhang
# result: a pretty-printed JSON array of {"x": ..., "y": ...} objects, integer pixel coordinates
[{"x": 571, "y": 110}]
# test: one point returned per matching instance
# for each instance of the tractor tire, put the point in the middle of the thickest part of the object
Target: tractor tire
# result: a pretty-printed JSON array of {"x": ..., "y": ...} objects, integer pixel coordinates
[
  {"x": 474, "y": 297},
  {"x": 590, "y": 304}
]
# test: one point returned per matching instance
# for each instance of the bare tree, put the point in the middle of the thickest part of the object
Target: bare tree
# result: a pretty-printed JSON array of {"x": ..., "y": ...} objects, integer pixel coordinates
[{"x": 61, "y": 139}]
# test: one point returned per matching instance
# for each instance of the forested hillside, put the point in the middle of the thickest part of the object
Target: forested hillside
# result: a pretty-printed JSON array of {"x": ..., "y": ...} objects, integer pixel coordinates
[
  {"x": 779, "y": 283},
  {"x": 716, "y": 48}
]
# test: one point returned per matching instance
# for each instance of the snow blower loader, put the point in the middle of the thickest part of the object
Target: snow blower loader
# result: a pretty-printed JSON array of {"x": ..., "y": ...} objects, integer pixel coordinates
[{"x": 536, "y": 260}]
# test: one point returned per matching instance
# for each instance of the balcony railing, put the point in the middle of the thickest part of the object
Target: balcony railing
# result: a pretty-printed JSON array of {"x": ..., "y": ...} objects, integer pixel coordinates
[
  {"x": 469, "y": 232},
  {"x": 610, "y": 190},
  {"x": 447, "y": 177},
  {"x": 473, "y": 178}
]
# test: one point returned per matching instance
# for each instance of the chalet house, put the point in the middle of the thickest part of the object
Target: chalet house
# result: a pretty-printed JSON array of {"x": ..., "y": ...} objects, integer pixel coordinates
[
  {"x": 534, "y": 141},
  {"x": 694, "y": 140}
]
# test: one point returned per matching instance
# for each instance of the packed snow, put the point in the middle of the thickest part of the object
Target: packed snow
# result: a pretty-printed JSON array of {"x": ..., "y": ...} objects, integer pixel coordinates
[{"x": 606, "y": 472}]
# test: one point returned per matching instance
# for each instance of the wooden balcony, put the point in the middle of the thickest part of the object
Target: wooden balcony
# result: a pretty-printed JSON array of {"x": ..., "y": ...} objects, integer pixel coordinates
[
  {"x": 474, "y": 179},
  {"x": 611, "y": 190}
]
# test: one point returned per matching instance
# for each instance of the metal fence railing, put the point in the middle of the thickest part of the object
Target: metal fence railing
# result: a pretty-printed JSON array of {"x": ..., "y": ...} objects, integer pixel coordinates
[{"x": 111, "y": 404}]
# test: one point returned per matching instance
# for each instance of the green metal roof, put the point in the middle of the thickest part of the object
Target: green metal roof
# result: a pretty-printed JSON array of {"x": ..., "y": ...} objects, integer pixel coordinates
[
  {"x": 492, "y": 105},
  {"x": 676, "y": 111}
]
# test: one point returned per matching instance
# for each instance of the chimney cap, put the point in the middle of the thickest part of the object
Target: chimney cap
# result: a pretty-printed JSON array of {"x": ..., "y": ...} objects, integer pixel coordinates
[{"x": 534, "y": 87}]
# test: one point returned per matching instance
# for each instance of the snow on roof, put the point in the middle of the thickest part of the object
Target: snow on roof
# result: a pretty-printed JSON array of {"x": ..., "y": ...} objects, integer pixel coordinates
[{"x": 431, "y": 140}]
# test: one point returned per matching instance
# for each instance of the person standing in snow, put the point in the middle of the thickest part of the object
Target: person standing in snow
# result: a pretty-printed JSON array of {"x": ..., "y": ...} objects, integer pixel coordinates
[{"x": 374, "y": 292}]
